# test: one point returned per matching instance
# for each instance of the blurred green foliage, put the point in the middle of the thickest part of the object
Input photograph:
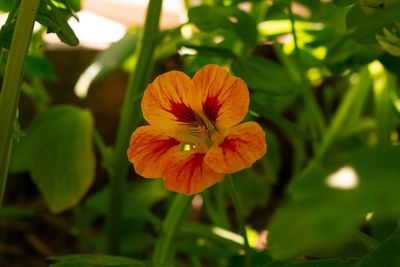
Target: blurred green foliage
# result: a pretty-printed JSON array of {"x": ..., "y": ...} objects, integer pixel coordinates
[{"x": 327, "y": 67}]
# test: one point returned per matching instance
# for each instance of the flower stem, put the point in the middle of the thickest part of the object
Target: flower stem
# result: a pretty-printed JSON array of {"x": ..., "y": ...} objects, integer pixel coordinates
[
  {"x": 347, "y": 106},
  {"x": 13, "y": 76},
  {"x": 130, "y": 119},
  {"x": 239, "y": 216},
  {"x": 220, "y": 203},
  {"x": 162, "y": 253},
  {"x": 317, "y": 123}
]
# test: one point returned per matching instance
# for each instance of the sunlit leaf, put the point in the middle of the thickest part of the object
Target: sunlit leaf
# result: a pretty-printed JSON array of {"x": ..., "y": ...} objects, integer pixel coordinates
[
  {"x": 225, "y": 17},
  {"x": 55, "y": 18},
  {"x": 106, "y": 62},
  {"x": 344, "y": 3}
]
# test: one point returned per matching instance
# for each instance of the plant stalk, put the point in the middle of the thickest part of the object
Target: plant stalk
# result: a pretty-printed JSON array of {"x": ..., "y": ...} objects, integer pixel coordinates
[
  {"x": 130, "y": 119},
  {"x": 11, "y": 88},
  {"x": 163, "y": 250},
  {"x": 317, "y": 123},
  {"x": 240, "y": 219}
]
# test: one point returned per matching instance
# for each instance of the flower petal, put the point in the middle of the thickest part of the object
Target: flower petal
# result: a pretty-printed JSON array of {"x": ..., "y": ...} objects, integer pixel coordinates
[
  {"x": 185, "y": 172},
  {"x": 225, "y": 98},
  {"x": 170, "y": 101},
  {"x": 242, "y": 146},
  {"x": 148, "y": 146}
]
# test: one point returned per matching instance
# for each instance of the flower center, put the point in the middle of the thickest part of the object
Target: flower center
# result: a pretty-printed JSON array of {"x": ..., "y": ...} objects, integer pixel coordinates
[{"x": 205, "y": 133}]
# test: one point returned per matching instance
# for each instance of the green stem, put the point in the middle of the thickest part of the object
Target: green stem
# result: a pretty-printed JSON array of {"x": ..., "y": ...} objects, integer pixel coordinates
[
  {"x": 220, "y": 203},
  {"x": 239, "y": 216},
  {"x": 383, "y": 107},
  {"x": 13, "y": 76},
  {"x": 162, "y": 253},
  {"x": 317, "y": 123},
  {"x": 223, "y": 237},
  {"x": 347, "y": 106},
  {"x": 130, "y": 119},
  {"x": 258, "y": 10},
  {"x": 210, "y": 210}
]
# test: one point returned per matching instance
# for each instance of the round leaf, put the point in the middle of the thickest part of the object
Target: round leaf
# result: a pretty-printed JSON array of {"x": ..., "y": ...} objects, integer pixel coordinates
[{"x": 57, "y": 151}]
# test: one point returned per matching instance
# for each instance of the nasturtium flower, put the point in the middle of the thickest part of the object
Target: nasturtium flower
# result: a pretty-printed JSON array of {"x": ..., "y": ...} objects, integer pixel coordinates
[{"x": 194, "y": 137}]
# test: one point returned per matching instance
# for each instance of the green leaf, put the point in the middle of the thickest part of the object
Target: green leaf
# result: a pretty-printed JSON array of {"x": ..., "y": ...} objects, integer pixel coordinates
[
  {"x": 58, "y": 153},
  {"x": 269, "y": 113},
  {"x": 55, "y": 18},
  {"x": 315, "y": 263},
  {"x": 74, "y": 5},
  {"x": 206, "y": 50},
  {"x": 138, "y": 198},
  {"x": 264, "y": 75},
  {"x": 107, "y": 61},
  {"x": 225, "y": 17},
  {"x": 39, "y": 67},
  {"x": 344, "y": 3},
  {"x": 391, "y": 63},
  {"x": 325, "y": 222},
  {"x": 115, "y": 55},
  {"x": 345, "y": 53},
  {"x": 363, "y": 28},
  {"x": 327, "y": 214},
  {"x": 257, "y": 259},
  {"x": 6, "y": 33},
  {"x": 354, "y": 17},
  {"x": 6, "y": 5},
  {"x": 254, "y": 185},
  {"x": 99, "y": 261},
  {"x": 386, "y": 255}
]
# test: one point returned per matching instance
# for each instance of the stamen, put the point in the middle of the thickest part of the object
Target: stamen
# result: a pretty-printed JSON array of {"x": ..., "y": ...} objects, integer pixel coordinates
[{"x": 199, "y": 126}]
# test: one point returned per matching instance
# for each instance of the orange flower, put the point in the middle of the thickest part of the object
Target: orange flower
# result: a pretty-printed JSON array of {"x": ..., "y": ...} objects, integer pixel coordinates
[{"x": 194, "y": 137}]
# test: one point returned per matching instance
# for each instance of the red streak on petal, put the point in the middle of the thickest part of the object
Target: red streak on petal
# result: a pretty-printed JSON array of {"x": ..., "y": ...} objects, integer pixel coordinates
[
  {"x": 196, "y": 163},
  {"x": 183, "y": 113},
  {"x": 155, "y": 147},
  {"x": 231, "y": 144},
  {"x": 212, "y": 107},
  {"x": 163, "y": 146}
]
